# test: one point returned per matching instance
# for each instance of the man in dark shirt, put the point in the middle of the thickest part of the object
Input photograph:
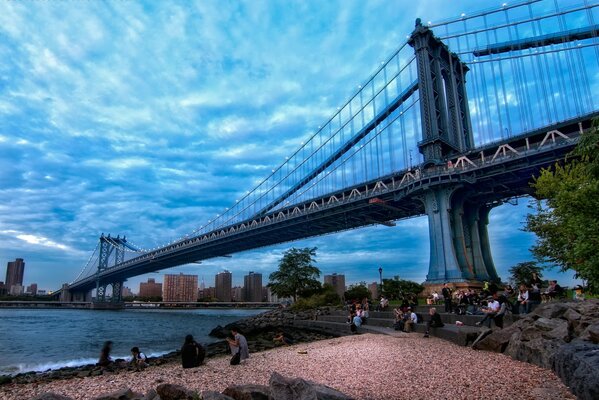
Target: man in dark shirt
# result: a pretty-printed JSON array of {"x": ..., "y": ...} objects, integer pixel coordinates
[
  {"x": 434, "y": 322},
  {"x": 447, "y": 297}
]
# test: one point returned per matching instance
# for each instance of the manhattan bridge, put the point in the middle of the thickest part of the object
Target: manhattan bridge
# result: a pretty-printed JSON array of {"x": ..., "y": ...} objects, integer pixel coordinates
[{"x": 488, "y": 99}]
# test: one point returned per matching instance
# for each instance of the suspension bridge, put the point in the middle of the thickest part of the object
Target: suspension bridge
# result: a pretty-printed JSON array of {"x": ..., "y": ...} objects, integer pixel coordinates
[{"x": 455, "y": 122}]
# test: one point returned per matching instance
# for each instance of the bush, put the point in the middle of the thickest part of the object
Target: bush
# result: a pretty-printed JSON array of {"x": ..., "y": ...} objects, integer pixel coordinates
[{"x": 326, "y": 297}]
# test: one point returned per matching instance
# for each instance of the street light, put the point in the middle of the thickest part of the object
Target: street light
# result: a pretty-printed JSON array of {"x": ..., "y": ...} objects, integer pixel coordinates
[{"x": 381, "y": 275}]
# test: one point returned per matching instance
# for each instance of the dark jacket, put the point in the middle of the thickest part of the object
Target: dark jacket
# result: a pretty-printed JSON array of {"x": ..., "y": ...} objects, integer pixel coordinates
[
  {"x": 192, "y": 355},
  {"x": 436, "y": 321}
]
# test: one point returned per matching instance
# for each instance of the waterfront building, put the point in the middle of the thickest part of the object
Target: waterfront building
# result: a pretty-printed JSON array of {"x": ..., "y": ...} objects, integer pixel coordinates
[
  {"x": 373, "y": 288},
  {"x": 337, "y": 282},
  {"x": 252, "y": 287},
  {"x": 237, "y": 293},
  {"x": 222, "y": 283},
  {"x": 126, "y": 292},
  {"x": 32, "y": 289},
  {"x": 14, "y": 274},
  {"x": 16, "y": 290},
  {"x": 2, "y": 289},
  {"x": 150, "y": 288},
  {"x": 206, "y": 293},
  {"x": 180, "y": 288}
]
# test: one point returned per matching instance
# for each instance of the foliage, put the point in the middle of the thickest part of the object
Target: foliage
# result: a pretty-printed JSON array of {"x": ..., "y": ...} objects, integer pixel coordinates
[
  {"x": 296, "y": 275},
  {"x": 326, "y": 296},
  {"x": 357, "y": 292},
  {"x": 521, "y": 273},
  {"x": 567, "y": 222},
  {"x": 398, "y": 288}
]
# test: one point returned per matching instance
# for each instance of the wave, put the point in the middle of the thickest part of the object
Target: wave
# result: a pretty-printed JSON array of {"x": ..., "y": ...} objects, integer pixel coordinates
[{"x": 22, "y": 368}]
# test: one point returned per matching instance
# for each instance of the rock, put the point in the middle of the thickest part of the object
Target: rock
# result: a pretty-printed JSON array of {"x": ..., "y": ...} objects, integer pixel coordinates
[
  {"x": 123, "y": 394},
  {"x": 546, "y": 324},
  {"x": 83, "y": 374},
  {"x": 537, "y": 351},
  {"x": 51, "y": 396},
  {"x": 571, "y": 315},
  {"x": 328, "y": 393},
  {"x": 152, "y": 395},
  {"x": 247, "y": 392},
  {"x": 282, "y": 388},
  {"x": 577, "y": 364},
  {"x": 167, "y": 391},
  {"x": 497, "y": 340},
  {"x": 551, "y": 310},
  {"x": 592, "y": 333},
  {"x": 212, "y": 395},
  {"x": 218, "y": 332},
  {"x": 4, "y": 379}
]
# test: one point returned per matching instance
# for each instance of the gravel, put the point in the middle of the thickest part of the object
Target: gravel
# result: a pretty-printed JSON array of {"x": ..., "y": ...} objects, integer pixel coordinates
[{"x": 364, "y": 366}]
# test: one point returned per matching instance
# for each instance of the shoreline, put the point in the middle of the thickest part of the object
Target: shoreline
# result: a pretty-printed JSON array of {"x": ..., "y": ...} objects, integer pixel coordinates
[{"x": 363, "y": 366}]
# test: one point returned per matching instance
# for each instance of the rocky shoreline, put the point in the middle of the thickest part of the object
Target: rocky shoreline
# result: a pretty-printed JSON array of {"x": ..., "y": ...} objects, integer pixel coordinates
[{"x": 259, "y": 331}]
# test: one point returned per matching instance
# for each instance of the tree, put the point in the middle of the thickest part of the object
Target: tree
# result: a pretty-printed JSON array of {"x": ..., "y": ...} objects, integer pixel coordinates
[
  {"x": 357, "y": 291},
  {"x": 567, "y": 221},
  {"x": 398, "y": 288},
  {"x": 296, "y": 274},
  {"x": 521, "y": 273}
]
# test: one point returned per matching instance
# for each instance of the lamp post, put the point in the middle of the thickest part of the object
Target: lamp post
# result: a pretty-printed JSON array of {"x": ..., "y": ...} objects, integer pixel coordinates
[{"x": 381, "y": 278}]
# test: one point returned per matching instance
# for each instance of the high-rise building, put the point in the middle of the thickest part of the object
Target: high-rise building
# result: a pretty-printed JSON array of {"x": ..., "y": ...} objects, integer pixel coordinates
[
  {"x": 14, "y": 273},
  {"x": 2, "y": 289},
  {"x": 222, "y": 283},
  {"x": 126, "y": 292},
  {"x": 32, "y": 289},
  {"x": 206, "y": 293},
  {"x": 180, "y": 288},
  {"x": 17, "y": 290},
  {"x": 237, "y": 293},
  {"x": 150, "y": 288},
  {"x": 252, "y": 287},
  {"x": 337, "y": 282}
]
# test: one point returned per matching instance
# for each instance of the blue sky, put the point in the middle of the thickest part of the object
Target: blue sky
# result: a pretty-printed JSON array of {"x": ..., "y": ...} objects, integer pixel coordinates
[{"x": 148, "y": 118}]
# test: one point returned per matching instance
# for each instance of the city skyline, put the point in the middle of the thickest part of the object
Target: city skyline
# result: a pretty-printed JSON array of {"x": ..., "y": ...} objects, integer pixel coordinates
[{"x": 131, "y": 125}]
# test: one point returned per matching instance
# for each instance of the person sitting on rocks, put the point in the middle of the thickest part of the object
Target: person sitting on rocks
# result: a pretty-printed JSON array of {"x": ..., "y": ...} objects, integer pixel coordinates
[
  {"x": 490, "y": 311},
  {"x": 523, "y": 300},
  {"x": 411, "y": 321},
  {"x": 138, "y": 359},
  {"x": 105, "y": 359},
  {"x": 434, "y": 322},
  {"x": 283, "y": 339},
  {"x": 553, "y": 291},
  {"x": 192, "y": 353}
]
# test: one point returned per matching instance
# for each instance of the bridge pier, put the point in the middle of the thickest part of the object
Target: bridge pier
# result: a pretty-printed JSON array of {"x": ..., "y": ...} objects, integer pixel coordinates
[
  {"x": 68, "y": 296},
  {"x": 459, "y": 241}
]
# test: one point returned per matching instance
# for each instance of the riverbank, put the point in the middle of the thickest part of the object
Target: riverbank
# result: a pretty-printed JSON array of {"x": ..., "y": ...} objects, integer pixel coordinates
[{"x": 362, "y": 366}]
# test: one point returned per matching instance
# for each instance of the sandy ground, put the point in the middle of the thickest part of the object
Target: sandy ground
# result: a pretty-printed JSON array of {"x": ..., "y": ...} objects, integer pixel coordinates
[{"x": 366, "y": 367}]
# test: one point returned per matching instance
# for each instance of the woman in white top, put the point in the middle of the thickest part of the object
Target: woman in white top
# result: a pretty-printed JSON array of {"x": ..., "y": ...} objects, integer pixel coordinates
[{"x": 523, "y": 299}]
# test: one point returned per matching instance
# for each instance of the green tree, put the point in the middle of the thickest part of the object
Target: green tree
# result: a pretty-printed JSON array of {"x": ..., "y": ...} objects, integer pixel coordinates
[
  {"x": 521, "y": 273},
  {"x": 296, "y": 274},
  {"x": 357, "y": 291},
  {"x": 567, "y": 221},
  {"x": 398, "y": 288}
]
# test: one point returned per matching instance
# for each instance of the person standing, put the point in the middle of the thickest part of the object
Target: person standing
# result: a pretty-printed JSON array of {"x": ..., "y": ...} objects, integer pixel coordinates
[
  {"x": 192, "y": 353},
  {"x": 239, "y": 345},
  {"x": 447, "y": 293}
]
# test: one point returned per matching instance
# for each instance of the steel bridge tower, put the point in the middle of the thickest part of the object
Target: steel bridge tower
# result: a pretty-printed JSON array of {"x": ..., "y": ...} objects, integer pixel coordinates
[
  {"x": 459, "y": 242},
  {"x": 108, "y": 245}
]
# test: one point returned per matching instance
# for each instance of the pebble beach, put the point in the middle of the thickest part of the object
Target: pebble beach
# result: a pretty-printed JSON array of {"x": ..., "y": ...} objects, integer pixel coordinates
[{"x": 363, "y": 366}]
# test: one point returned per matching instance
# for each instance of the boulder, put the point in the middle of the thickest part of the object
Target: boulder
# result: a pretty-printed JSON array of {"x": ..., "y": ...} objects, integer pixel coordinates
[
  {"x": 167, "y": 391},
  {"x": 51, "y": 396},
  {"x": 282, "y": 388},
  {"x": 212, "y": 395},
  {"x": 123, "y": 394},
  {"x": 591, "y": 333},
  {"x": 551, "y": 310},
  {"x": 328, "y": 393},
  {"x": 572, "y": 315},
  {"x": 247, "y": 392},
  {"x": 497, "y": 340},
  {"x": 4, "y": 379},
  {"x": 577, "y": 364},
  {"x": 152, "y": 395}
]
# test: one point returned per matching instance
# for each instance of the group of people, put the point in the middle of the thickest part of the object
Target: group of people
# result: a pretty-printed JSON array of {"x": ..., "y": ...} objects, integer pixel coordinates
[
  {"x": 192, "y": 352},
  {"x": 405, "y": 319}
]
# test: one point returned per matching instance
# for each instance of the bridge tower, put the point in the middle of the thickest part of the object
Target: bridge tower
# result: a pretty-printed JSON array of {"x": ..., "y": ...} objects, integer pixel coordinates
[
  {"x": 107, "y": 246},
  {"x": 459, "y": 243}
]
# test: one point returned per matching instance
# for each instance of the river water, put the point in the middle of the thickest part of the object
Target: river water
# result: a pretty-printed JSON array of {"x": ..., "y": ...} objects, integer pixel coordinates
[{"x": 38, "y": 340}]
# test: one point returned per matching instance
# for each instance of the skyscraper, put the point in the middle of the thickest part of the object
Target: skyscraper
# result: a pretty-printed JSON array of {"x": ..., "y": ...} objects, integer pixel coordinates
[
  {"x": 222, "y": 283},
  {"x": 180, "y": 288},
  {"x": 252, "y": 287},
  {"x": 337, "y": 282},
  {"x": 14, "y": 273}
]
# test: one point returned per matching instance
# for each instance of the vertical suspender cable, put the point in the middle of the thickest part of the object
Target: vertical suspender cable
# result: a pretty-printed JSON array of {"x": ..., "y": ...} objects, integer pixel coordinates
[{"x": 497, "y": 105}]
